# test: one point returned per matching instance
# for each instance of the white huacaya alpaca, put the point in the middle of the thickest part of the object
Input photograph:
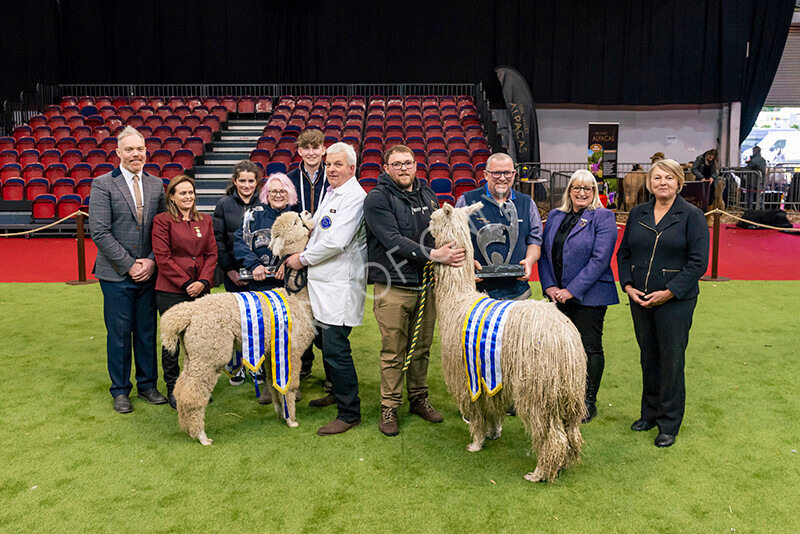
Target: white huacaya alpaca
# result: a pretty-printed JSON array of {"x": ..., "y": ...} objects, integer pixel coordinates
[
  {"x": 542, "y": 360},
  {"x": 211, "y": 327}
]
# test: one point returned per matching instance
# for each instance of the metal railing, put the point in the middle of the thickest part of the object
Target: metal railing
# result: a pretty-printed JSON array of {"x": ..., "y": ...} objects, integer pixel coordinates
[{"x": 271, "y": 89}]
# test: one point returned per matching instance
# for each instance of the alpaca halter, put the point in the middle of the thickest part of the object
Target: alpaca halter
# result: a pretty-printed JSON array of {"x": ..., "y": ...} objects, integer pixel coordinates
[
  {"x": 427, "y": 282},
  {"x": 300, "y": 278}
]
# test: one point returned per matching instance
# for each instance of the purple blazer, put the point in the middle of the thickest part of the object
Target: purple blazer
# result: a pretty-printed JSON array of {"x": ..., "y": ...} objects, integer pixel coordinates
[{"x": 587, "y": 257}]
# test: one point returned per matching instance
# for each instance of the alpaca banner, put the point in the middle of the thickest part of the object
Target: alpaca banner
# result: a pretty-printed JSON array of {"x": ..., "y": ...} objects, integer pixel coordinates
[{"x": 482, "y": 339}]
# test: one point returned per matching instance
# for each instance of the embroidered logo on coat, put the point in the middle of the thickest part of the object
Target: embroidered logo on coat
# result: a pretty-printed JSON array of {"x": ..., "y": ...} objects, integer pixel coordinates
[{"x": 325, "y": 222}]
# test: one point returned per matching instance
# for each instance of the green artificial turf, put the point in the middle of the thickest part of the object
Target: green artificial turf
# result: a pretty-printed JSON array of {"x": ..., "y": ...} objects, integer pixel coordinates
[{"x": 71, "y": 464}]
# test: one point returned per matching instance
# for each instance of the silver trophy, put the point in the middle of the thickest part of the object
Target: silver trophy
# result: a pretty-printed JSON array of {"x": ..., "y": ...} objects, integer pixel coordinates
[
  {"x": 496, "y": 265},
  {"x": 254, "y": 240}
]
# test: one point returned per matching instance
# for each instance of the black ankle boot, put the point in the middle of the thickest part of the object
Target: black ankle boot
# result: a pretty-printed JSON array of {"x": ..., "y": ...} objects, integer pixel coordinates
[{"x": 591, "y": 411}]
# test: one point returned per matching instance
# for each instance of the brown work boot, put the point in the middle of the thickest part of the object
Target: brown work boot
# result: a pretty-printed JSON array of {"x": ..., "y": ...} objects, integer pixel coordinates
[
  {"x": 337, "y": 426},
  {"x": 388, "y": 424},
  {"x": 327, "y": 400},
  {"x": 422, "y": 407}
]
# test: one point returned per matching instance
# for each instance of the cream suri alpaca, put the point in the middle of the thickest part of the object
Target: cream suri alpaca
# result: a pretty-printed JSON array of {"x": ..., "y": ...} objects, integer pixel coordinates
[
  {"x": 542, "y": 360},
  {"x": 211, "y": 327}
]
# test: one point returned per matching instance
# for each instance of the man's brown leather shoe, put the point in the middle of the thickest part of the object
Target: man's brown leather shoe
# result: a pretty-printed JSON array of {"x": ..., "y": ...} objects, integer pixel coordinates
[
  {"x": 327, "y": 400},
  {"x": 337, "y": 426},
  {"x": 388, "y": 424},
  {"x": 422, "y": 407}
]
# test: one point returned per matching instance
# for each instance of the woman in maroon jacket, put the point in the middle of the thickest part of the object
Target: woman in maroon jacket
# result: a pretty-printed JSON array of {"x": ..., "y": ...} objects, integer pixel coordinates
[{"x": 186, "y": 255}]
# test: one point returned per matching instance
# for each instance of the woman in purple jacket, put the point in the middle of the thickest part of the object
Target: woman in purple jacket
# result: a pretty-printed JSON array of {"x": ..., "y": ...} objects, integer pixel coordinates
[{"x": 575, "y": 269}]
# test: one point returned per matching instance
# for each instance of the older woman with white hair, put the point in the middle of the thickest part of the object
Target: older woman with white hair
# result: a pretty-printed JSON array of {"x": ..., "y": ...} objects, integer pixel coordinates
[
  {"x": 575, "y": 269},
  {"x": 663, "y": 254},
  {"x": 277, "y": 196}
]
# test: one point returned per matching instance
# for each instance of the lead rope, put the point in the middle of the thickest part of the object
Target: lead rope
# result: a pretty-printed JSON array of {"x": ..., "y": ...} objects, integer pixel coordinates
[{"x": 427, "y": 282}]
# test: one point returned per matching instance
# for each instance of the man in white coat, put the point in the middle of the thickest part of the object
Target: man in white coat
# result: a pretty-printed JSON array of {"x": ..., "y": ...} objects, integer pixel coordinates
[{"x": 336, "y": 256}]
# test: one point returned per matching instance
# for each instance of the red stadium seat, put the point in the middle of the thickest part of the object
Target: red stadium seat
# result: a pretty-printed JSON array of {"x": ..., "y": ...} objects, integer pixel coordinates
[
  {"x": 101, "y": 132},
  {"x": 63, "y": 186},
  {"x": 13, "y": 189},
  {"x": 96, "y": 156},
  {"x": 10, "y": 170},
  {"x": 36, "y": 187},
  {"x": 462, "y": 185},
  {"x": 71, "y": 157},
  {"x": 160, "y": 157},
  {"x": 49, "y": 157},
  {"x": 32, "y": 170},
  {"x": 181, "y": 111},
  {"x": 8, "y": 143},
  {"x": 368, "y": 183},
  {"x": 212, "y": 121},
  {"x": 8, "y": 156},
  {"x": 446, "y": 199},
  {"x": 22, "y": 131},
  {"x": 372, "y": 155},
  {"x": 25, "y": 143},
  {"x": 44, "y": 207},
  {"x": 172, "y": 144},
  {"x": 369, "y": 170},
  {"x": 67, "y": 143},
  {"x": 54, "y": 171},
  {"x": 195, "y": 144},
  {"x": 479, "y": 156},
  {"x": 263, "y": 104},
  {"x": 205, "y": 133},
  {"x": 247, "y": 104},
  {"x": 42, "y": 131},
  {"x": 79, "y": 171},
  {"x": 83, "y": 187},
  {"x": 102, "y": 169},
  {"x": 171, "y": 170},
  {"x": 152, "y": 168},
  {"x": 68, "y": 204},
  {"x": 185, "y": 157},
  {"x": 260, "y": 155}
]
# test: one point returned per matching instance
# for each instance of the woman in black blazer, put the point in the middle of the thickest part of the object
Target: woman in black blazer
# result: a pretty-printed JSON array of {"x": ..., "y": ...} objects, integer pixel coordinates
[{"x": 663, "y": 254}]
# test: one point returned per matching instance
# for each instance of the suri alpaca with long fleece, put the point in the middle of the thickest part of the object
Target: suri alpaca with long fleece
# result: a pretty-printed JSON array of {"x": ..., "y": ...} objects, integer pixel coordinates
[
  {"x": 542, "y": 360},
  {"x": 211, "y": 328}
]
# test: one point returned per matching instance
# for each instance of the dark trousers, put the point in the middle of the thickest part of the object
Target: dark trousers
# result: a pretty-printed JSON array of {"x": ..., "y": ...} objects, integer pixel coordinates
[
  {"x": 169, "y": 359},
  {"x": 589, "y": 322},
  {"x": 338, "y": 360},
  {"x": 308, "y": 357},
  {"x": 663, "y": 334},
  {"x": 129, "y": 312}
]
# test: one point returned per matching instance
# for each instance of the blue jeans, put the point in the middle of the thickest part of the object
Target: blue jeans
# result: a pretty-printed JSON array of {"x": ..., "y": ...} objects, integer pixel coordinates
[{"x": 129, "y": 311}]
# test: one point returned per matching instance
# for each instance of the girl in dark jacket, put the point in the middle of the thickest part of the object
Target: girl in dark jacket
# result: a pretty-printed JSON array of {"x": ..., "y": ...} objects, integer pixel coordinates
[{"x": 240, "y": 195}]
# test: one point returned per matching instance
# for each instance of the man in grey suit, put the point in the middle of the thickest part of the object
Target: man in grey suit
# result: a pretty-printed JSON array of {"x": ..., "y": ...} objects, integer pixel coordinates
[{"x": 123, "y": 204}]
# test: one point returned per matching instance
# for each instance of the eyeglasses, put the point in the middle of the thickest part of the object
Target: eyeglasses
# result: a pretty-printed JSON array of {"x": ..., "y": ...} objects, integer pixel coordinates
[
  {"x": 502, "y": 174},
  {"x": 397, "y": 165},
  {"x": 277, "y": 192},
  {"x": 584, "y": 188}
]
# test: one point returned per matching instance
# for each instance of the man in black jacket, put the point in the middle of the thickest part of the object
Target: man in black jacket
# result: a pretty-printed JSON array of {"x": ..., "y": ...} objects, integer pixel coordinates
[{"x": 397, "y": 212}]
